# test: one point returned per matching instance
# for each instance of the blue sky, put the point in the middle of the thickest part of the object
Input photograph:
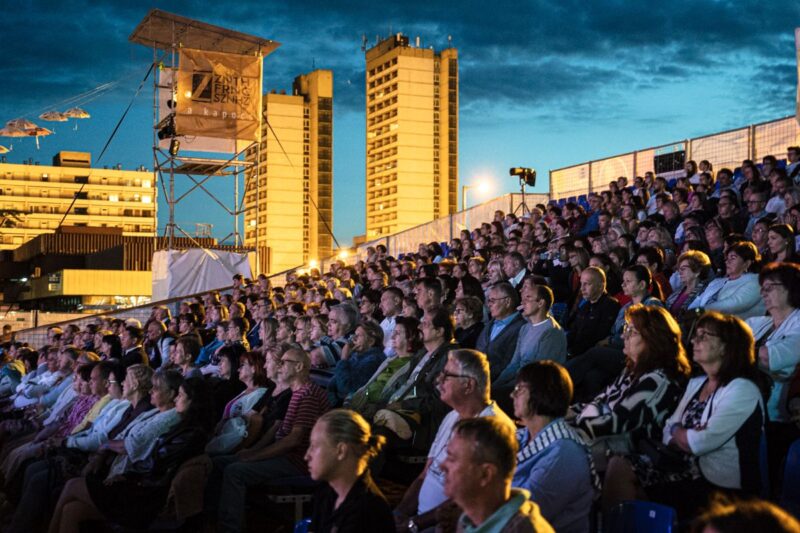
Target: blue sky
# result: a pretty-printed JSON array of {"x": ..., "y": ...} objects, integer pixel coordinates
[{"x": 543, "y": 84}]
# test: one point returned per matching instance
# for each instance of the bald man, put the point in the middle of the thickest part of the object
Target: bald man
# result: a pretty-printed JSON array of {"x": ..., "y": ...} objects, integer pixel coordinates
[{"x": 592, "y": 321}]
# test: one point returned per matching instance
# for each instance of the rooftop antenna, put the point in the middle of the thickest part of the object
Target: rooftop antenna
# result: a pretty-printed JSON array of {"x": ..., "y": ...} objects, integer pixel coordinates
[
  {"x": 363, "y": 42},
  {"x": 450, "y": 41},
  {"x": 313, "y": 63}
]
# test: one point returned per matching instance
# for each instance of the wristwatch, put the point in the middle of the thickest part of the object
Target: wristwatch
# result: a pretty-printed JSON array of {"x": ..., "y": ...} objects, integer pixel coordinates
[{"x": 412, "y": 526}]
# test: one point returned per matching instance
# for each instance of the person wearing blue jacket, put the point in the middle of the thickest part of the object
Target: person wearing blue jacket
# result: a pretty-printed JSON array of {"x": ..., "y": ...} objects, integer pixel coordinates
[{"x": 361, "y": 356}]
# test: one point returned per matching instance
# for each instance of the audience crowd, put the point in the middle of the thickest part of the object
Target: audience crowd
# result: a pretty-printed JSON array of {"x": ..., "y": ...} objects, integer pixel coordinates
[{"x": 641, "y": 344}]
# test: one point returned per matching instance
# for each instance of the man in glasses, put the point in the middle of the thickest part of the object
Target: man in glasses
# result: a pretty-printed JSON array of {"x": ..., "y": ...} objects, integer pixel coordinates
[
  {"x": 463, "y": 384},
  {"x": 271, "y": 459},
  {"x": 499, "y": 337}
]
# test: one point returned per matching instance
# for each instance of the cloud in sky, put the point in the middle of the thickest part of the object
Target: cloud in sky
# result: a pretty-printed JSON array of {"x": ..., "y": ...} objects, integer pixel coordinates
[{"x": 625, "y": 72}]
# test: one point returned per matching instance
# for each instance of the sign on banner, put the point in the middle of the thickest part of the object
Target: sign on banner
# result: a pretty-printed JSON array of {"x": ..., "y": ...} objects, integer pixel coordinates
[{"x": 219, "y": 95}]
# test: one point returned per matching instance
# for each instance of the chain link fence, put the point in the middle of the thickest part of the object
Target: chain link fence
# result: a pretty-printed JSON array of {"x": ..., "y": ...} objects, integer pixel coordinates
[{"x": 724, "y": 149}]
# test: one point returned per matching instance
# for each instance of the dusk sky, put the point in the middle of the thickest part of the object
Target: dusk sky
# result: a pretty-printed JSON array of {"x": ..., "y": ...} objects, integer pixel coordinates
[{"x": 542, "y": 84}]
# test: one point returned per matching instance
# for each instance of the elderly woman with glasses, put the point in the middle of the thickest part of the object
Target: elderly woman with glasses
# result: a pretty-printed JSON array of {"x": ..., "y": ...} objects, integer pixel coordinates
[
  {"x": 738, "y": 292},
  {"x": 636, "y": 404},
  {"x": 777, "y": 339},
  {"x": 711, "y": 441}
]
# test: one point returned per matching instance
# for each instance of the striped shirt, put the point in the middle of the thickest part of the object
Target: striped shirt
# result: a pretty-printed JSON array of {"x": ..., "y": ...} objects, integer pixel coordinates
[{"x": 308, "y": 403}]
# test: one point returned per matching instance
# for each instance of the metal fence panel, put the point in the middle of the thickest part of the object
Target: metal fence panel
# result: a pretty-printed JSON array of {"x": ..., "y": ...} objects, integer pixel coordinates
[
  {"x": 774, "y": 137},
  {"x": 609, "y": 169},
  {"x": 723, "y": 150},
  {"x": 570, "y": 181}
]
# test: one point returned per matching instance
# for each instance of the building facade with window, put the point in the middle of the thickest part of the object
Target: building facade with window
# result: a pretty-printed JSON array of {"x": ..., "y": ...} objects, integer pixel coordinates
[
  {"x": 412, "y": 135},
  {"x": 289, "y": 192},
  {"x": 34, "y": 198}
]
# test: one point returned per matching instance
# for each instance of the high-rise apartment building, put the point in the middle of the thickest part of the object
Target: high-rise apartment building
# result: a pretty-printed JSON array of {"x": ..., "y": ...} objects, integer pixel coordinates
[
  {"x": 34, "y": 198},
  {"x": 289, "y": 212},
  {"x": 412, "y": 135}
]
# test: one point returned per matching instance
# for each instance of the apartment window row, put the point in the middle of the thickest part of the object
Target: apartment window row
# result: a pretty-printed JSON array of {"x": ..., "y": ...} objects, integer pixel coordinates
[
  {"x": 384, "y": 103},
  {"x": 383, "y": 92},
  {"x": 381, "y": 142},
  {"x": 376, "y": 156},
  {"x": 377, "y": 82},
  {"x": 383, "y": 130},
  {"x": 380, "y": 193},
  {"x": 383, "y": 117},
  {"x": 384, "y": 180},
  {"x": 382, "y": 67}
]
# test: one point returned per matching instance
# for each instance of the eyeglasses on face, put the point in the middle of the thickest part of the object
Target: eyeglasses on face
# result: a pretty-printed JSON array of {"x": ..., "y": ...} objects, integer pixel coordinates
[
  {"x": 283, "y": 362},
  {"x": 444, "y": 375},
  {"x": 701, "y": 335},
  {"x": 769, "y": 287}
]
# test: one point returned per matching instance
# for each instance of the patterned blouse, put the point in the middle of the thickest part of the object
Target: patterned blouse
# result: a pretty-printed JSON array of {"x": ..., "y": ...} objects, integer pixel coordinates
[
  {"x": 636, "y": 406},
  {"x": 79, "y": 410}
]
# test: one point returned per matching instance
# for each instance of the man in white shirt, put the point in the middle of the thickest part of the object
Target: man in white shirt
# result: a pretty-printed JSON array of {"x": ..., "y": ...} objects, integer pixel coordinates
[
  {"x": 463, "y": 385},
  {"x": 391, "y": 306}
]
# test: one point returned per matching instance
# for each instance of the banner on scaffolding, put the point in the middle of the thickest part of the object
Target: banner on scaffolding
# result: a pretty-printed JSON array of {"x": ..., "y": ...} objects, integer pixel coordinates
[{"x": 218, "y": 95}]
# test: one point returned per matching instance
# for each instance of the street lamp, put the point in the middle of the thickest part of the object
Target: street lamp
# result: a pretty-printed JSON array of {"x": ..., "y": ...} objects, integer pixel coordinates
[{"x": 482, "y": 187}]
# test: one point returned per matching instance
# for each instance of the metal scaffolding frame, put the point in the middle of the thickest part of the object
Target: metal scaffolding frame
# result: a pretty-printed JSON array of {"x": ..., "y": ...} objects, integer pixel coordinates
[{"x": 167, "y": 33}]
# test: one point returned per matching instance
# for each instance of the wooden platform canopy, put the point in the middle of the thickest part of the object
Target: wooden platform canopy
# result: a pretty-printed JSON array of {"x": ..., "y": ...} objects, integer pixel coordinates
[{"x": 164, "y": 31}]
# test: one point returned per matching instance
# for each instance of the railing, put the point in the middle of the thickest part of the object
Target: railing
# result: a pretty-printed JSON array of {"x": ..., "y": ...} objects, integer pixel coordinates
[
  {"x": 440, "y": 230},
  {"x": 723, "y": 149}
]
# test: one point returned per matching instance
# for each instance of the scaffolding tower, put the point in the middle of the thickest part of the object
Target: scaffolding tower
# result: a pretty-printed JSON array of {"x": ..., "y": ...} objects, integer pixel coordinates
[{"x": 167, "y": 34}]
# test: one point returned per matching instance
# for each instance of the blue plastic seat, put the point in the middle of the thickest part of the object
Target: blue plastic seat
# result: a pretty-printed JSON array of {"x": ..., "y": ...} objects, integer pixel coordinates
[
  {"x": 671, "y": 183},
  {"x": 572, "y": 199},
  {"x": 636, "y": 516},
  {"x": 302, "y": 526},
  {"x": 790, "y": 492}
]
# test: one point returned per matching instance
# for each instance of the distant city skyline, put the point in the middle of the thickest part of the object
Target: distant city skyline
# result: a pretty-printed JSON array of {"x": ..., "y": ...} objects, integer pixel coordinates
[{"x": 542, "y": 84}]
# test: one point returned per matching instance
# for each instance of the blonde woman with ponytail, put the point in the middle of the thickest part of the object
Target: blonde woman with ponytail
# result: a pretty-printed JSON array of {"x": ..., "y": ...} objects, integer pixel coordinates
[{"x": 339, "y": 453}]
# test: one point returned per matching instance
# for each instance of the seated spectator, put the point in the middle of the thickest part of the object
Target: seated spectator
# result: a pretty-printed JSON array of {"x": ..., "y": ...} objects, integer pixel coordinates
[
  {"x": 207, "y": 351},
  {"x": 302, "y": 333},
  {"x": 653, "y": 258},
  {"x": 738, "y": 292},
  {"x": 157, "y": 343},
  {"x": 468, "y": 315},
  {"x": 499, "y": 336},
  {"x": 406, "y": 343},
  {"x": 731, "y": 516},
  {"x": 550, "y": 450},
  {"x": 777, "y": 338},
  {"x": 415, "y": 407},
  {"x": 340, "y": 448},
  {"x": 595, "y": 315},
  {"x": 232, "y": 428},
  {"x": 360, "y": 357},
  {"x": 756, "y": 208},
  {"x": 226, "y": 385},
  {"x": 712, "y": 437},
  {"x": 514, "y": 268},
  {"x": 593, "y": 371},
  {"x": 342, "y": 322},
  {"x": 131, "y": 339},
  {"x": 283, "y": 457},
  {"x": 539, "y": 338},
  {"x": 66, "y": 459},
  {"x": 187, "y": 350},
  {"x": 73, "y": 420},
  {"x": 781, "y": 244},
  {"x": 694, "y": 269},
  {"x": 464, "y": 386},
  {"x": 136, "y": 499},
  {"x": 391, "y": 306},
  {"x": 36, "y": 384},
  {"x": 478, "y": 468},
  {"x": 428, "y": 293},
  {"x": 636, "y": 404}
]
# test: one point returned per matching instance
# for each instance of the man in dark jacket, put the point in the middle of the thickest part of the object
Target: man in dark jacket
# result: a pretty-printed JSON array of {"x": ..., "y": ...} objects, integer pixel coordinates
[
  {"x": 132, "y": 352},
  {"x": 499, "y": 337},
  {"x": 595, "y": 316}
]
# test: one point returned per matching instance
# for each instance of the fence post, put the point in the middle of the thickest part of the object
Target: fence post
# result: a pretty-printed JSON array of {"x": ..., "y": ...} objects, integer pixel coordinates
[
  {"x": 751, "y": 142},
  {"x": 635, "y": 162},
  {"x": 591, "y": 177}
]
